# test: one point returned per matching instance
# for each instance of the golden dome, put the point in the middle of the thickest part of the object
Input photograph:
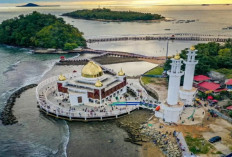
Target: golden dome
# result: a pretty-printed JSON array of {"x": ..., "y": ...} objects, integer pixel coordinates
[
  {"x": 91, "y": 70},
  {"x": 192, "y": 48},
  {"x": 177, "y": 56},
  {"x": 121, "y": 73},
  {"x": 62, "y": 78},
  {"x": 98, "y": 84}
]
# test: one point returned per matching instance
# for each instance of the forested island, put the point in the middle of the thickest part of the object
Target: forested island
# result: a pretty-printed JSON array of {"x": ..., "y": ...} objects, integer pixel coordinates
[
  {"x": 109, "y": 15},
  {"x": 36, "y": 5},
  {"x": 37, "y": 30},
  {"x": 29, "y": 5},
  {"x": 211, "y": 56}
]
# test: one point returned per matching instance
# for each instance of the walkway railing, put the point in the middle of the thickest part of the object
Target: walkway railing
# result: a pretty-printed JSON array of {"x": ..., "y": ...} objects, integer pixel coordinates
[
  {"x": 186, "y": 38},
  {"x": 46, "y": 87}
]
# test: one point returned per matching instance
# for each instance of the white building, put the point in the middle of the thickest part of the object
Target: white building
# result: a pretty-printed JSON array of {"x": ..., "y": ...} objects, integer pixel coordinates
[
  {"x": 188, "y": 92},
  {"x": 93, "y": 86},
  {"x": 171, "y": 109}
]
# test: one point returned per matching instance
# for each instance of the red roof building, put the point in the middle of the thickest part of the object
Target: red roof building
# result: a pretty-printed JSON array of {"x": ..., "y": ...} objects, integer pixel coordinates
[
  {"x": 229, "y": 108},
  {"x": 62, "y": 58},
  {"x": 229, "y": 82},
  {"x": 210, "y": 86},
  {"x": 200, "y": 78}
]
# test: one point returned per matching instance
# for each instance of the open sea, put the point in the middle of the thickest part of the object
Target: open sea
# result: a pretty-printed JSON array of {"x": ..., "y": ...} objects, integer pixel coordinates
[{"x": 37, "y": 135}]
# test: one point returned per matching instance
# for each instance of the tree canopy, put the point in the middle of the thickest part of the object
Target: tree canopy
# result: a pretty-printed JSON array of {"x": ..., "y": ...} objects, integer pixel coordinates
[
  {"x": 39, "y": 30},
  {"x": 210, "y": 56},
  {"x": 107, "y": 14}
]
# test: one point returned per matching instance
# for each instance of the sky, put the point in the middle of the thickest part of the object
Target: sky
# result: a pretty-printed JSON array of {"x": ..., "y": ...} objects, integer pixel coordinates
[{"x": 116, "y": 2}]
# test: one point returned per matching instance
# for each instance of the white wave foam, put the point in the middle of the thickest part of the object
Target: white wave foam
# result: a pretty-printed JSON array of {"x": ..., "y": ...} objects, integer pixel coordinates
[
  {"x": 66, "y": 139},
  {"x": 36, "y": 79},
  {"x": 16, "y": 63}
]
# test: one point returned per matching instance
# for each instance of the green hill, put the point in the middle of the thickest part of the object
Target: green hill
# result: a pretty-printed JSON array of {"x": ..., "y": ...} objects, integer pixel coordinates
[
  {"x": 40, "y": 30},
  {"x": 108, "y": 15}
]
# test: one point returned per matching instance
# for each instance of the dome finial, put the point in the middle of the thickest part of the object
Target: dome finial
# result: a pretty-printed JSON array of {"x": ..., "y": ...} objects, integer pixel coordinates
[
  {"x": 192, "y": 48},
  {"x": 177, "y": 56},
  {"x": 98, "y": 83},
  {"x": 61, "y": 77},
  {"x": 121, "y": 73}
]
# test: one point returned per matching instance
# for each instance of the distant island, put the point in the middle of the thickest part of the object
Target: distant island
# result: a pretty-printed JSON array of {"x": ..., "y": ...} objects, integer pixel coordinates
[
  {"x": 36, "y": 5},
  {"x": 108, "y": 15},
  {"x": 38, "y": 30}
]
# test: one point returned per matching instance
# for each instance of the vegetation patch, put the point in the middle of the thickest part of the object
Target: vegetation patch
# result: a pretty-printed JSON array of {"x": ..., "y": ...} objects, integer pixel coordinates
[
  {"x": 210, "y": 56},
  {"x": 108, "y": 15},
  {"x": 40, "y": 30},
  {"x": 156, "y": 71},
  {"x": 198, "y": 145},
  {"x": 226, "y": 72}
]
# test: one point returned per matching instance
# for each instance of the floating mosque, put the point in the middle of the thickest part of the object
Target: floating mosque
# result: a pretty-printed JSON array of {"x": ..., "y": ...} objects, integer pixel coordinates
[{"x": 92, "y": 93}]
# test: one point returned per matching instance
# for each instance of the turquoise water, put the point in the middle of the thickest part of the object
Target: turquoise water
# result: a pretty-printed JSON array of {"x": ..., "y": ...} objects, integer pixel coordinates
[{"x": 37, "y": 135}]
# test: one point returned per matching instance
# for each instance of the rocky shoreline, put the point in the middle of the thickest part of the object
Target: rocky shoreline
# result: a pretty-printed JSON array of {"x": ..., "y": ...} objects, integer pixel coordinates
[
  {"x": 7, "y": 116},
  {"x": 131, "y": 123},
  {"x": 140, "y": 132}
]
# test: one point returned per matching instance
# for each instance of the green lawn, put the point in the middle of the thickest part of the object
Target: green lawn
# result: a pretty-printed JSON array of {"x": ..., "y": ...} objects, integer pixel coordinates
[
  {"x": 155, "y": 71},
  {"x": 198, "y": 145}
]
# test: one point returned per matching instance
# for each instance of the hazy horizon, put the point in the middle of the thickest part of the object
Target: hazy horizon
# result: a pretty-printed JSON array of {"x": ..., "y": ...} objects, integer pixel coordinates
[{"x": 113, "y": 2}]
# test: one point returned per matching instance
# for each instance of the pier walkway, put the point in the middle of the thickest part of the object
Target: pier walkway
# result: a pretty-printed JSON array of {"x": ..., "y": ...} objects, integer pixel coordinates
[
  {"x": 178, "y": 36},
  {"x": 115, "y": 54}
]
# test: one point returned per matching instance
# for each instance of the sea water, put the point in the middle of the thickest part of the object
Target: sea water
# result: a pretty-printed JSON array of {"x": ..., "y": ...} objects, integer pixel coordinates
[{"x": 38, "y": 135}]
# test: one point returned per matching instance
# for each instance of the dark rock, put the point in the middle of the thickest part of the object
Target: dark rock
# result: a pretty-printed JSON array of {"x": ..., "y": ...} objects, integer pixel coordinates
[{"x": 7, "y": 116}]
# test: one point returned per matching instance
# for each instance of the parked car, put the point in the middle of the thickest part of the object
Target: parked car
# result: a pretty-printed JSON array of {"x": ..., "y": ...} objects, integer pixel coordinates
[{"x": 215, "y": 139}]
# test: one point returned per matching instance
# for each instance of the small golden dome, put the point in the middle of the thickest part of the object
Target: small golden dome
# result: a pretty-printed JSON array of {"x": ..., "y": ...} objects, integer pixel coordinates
[
  {"x": 62, "y": 78},
  {"x": 192, "y": 48},
  {"x": 98, "y": 84},
  {"x": 121, "y": 73},
  {"x": 91, "y": 70},
  {"x": 177, "y": 56}
]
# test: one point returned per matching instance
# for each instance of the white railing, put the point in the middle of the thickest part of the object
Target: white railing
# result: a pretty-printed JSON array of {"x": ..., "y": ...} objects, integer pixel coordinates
[{"x": 45, "y": 88}]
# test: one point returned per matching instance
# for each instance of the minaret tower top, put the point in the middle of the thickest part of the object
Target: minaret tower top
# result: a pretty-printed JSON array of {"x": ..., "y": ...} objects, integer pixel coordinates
[
  {"x": 191, "y": 56},
  {"x": 190, "y": 68}
]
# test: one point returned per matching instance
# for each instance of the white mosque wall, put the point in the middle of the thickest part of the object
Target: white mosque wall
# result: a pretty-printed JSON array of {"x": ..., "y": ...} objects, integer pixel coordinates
[
  {"x": 172, "y": 115},
  {"x": 74, "y": 99},
  {"x": 187, "y": 96}
]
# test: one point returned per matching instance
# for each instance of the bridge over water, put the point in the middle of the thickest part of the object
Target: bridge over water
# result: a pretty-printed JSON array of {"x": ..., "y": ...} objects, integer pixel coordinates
[
  {"x": 116, "y": 54},
  {"x": 179, "y": 36}
]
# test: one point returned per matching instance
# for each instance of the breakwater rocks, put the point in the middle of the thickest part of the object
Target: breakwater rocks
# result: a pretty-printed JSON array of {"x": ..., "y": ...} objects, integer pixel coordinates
[
  {"x": 165, "y": 141},
  {"x": 73, "y": 62},
  {"x": 139, "y": 131},
  {"x": 132, "y": 122},
  {"x": 7, "y": 116}
]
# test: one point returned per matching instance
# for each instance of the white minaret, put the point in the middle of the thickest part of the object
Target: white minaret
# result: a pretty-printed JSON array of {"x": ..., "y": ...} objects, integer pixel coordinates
[
  {"x": 171, "y": 110},
  {"x": 174, "y": 80},
  {"x": 190, "y": 69},
  {"x": 187, "y": 92}
]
